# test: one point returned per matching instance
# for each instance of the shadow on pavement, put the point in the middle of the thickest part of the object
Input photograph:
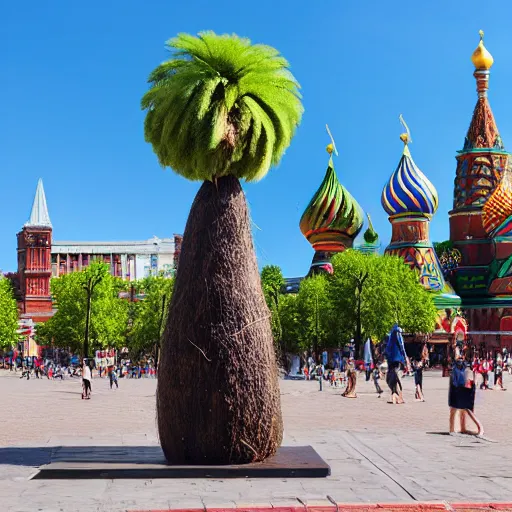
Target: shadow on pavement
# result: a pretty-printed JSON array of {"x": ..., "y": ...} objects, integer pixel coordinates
[{"x": 40, "y": 455}]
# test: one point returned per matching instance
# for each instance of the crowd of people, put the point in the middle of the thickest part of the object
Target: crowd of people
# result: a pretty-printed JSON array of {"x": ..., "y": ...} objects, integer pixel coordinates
[{"x": 40, "y": 368}]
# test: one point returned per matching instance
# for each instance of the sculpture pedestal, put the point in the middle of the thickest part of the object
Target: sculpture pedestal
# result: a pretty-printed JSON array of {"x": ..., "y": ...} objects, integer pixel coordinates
[{"x": 148, "y": 462}]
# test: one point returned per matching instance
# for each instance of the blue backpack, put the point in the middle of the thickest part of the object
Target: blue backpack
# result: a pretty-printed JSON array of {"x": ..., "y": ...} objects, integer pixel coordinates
[{"x": 458, "y": 376}]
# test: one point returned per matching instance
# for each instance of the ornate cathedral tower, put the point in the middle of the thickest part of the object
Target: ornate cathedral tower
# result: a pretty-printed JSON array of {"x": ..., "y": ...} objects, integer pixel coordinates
[
  {"x": 481, "y": 221},
  {"x": 332, "y": 219},
  {"x": 34, "y": 260},
  {"x": 477, "y": 217},
  {"x": 410, "y": 200}
]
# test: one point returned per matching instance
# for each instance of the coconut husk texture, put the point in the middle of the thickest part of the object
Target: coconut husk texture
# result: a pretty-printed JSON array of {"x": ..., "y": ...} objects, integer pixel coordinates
[{"x": 218, "y": 399}]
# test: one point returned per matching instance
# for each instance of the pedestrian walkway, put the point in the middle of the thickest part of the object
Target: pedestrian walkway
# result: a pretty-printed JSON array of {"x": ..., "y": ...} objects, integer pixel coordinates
[{"x": 378, "y": 453}]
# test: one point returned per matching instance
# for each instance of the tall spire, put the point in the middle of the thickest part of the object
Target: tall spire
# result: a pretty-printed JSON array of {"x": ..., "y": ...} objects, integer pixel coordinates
[
  {"x": 39, "y": 217},
  {"x": 483, "y": 131}
]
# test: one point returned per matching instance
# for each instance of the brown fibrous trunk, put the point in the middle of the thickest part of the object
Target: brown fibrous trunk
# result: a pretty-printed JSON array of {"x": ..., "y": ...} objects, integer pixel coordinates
[{"x": 218, "y": 398}]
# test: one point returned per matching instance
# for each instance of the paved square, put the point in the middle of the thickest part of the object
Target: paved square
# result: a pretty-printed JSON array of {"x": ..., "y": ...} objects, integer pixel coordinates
[{"x": 377, "y": 452}]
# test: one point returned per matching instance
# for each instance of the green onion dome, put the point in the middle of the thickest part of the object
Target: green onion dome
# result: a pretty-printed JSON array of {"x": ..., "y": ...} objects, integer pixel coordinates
[
  {"x": 370, "y": 235},
  {"x": 333, "y": 218}
]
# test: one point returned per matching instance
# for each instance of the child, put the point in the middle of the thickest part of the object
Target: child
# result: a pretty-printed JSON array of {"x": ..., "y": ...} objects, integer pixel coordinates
[{"x": 112, "y": 376}]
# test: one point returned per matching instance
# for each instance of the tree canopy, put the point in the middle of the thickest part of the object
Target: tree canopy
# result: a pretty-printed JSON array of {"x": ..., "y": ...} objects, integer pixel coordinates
[
  {"x": 8, "y": 314},
  {"x": 370, "y": 293},
  {"x": 364, "y": 297},
  {"x": 221, "y": 106},
  {"x": 314, "y": 309},
  {"x": 272, "y": 281},
  {"x": 109, "y": 313},
  {"x": 442, "y": 247},
  {"x": 147, "y": 316}
]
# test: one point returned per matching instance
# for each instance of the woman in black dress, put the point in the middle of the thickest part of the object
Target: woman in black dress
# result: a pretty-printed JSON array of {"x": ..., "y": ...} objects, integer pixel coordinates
[
  {"x": 393, "y": 381},
  {"x": 461, "y": 398}
]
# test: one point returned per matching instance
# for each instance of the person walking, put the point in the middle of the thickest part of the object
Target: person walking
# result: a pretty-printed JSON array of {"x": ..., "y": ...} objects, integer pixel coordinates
[
  {"x": 484, "y": 371},
  {"x": 350, "y": 391},
  {"x": 498, "y": 373},
  {"x": 368, "y": 359},
  {"x": 112, "y": 376},
  {"x": 461, "y": 398},
  {"x": 86, "y": 380},
  {"x": 376, "y": 378},
  {"x": 418, "y": 380}
]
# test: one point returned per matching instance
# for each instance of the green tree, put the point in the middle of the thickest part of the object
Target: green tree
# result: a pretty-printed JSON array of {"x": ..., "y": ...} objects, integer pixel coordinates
[
  {"x": 313, "y": 309},
  {"x": 220, "y": 110},
  {"x": 289, "y": 321},
  {"x": 148, "y": 315},
  {"x": 272, "y": 282},
  {"x": 442, "y": 247},
  {"x": 101, "y": 309},
  {"x": 369, "y": 293},
  {"x": 91, "y": 277},
  {"x": 8, "y": 315}
]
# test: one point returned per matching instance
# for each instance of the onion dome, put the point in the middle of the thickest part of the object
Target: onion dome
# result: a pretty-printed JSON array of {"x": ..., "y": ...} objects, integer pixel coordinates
[
  {"x": 481, "y": 57},
  {"x": 370, "y": 235},
  {"x": 498, "y": 207},
  {"x": 333, "y": 218},
  {"x": 371, "y": 244},
  {"x": 409, "y": 190}
]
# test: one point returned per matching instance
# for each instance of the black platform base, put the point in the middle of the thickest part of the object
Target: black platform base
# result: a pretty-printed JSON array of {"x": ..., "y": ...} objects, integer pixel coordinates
[{"x": 148, "y": 462}]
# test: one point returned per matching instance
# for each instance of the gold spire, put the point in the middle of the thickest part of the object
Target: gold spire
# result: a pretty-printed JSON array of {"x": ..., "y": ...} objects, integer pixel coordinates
[
  {"x": 405, "y": 137},
  {"x": 481, "y": 58}
]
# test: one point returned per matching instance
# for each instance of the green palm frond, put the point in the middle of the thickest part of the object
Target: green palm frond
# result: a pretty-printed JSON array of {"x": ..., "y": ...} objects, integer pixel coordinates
[{"x": 221, "y": 106}]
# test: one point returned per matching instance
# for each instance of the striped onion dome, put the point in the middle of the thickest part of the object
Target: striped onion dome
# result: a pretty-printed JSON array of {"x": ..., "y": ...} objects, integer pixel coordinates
[
  {"x": 409, "y": 190},
  {"x": 333, "y": 218},
  {"x": 498, "y": 207}
]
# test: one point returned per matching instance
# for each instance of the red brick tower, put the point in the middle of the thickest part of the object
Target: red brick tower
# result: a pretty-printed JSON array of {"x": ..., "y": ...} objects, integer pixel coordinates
[{"x": 34, "y": 261}]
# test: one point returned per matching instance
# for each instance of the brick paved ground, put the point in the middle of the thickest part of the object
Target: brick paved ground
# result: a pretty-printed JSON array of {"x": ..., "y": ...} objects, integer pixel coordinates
[{"x": 377, "y": 452}]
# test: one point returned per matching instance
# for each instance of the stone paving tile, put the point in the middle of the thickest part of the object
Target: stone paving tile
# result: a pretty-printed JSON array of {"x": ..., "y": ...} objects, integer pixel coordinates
[{"x": 376, "y": 451}]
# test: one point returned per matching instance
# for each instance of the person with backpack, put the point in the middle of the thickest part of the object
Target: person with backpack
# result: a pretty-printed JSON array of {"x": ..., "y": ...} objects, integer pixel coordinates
[{"x": 461, "y": 398}]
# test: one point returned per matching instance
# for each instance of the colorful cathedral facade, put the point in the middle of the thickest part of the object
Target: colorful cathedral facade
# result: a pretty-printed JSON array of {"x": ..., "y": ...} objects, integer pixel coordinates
[
  {"x": 474, "y": 286},
  {"x": 481, "y": 220}
]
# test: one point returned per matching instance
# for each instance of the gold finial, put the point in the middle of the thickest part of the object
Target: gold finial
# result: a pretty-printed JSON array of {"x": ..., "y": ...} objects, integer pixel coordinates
[
  {"x": 482, "y": 59},
  {"x": 332, "y": 146},
  {"x": 405, "y": 137}
]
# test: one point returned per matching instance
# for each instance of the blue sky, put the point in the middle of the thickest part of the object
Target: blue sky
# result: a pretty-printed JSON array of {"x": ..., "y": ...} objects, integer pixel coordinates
[{"x": 74, "y": 73}]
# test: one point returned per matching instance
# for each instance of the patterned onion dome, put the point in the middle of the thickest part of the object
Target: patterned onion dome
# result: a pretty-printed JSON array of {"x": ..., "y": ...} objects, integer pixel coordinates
[
  {"x": 333, "y": 217},
  {"x": 498, "y": 207},
  {"x": 408, "y": 189}
]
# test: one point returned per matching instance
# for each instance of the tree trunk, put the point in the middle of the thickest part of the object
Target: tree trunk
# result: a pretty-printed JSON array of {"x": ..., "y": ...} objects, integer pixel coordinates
[
  {"x": 218, "y": 398},
  {"x": 87, "y": 323},
  {"x": 357, "y": 338}
]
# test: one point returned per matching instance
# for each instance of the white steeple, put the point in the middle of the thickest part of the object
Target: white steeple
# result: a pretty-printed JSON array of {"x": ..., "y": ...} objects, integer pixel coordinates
[{"x": 39, "y": 217}]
